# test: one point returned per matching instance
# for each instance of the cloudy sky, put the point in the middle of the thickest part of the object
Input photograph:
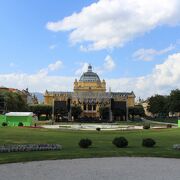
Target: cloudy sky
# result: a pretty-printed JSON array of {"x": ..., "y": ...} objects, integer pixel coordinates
[{"x": 133, "y": 44}]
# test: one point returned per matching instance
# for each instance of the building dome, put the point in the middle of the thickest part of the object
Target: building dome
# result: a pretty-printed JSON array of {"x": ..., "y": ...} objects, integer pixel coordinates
[{"x": 89, "y": 76}]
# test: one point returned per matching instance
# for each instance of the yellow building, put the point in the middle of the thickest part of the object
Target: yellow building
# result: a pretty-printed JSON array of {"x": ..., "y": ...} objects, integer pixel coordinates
[{"x": 90, "y": 93}]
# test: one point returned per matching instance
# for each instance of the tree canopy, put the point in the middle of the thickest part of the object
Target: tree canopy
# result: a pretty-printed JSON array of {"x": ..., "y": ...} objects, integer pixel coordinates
[
  {"x": 13, "y": 101},
  {"x": 174, "y": 105},
  {"x": 76, "y": 111},
  {"x": 159, "y": 105},
  {"x": 40, "y": 109},
  {"x": 104, "y": 112},
  {"x": 137, "y": 110}
]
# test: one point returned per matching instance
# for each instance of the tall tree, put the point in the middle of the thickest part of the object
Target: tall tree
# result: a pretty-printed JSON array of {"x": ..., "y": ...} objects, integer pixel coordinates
[
  {"x": 13, "y": 101},
  {"x": 76, "y": 111},
  {"x": 175, "y": 101},
  {"x": 137, "y": 110},
  {"x": 104, "y": 112},
  {"x": 158, "y": 105},
  {"x": 40, "y": 109}
]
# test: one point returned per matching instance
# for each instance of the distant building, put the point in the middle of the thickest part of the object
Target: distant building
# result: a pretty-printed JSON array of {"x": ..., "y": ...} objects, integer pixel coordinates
[
  {"x": 90, "y": 93},
  {"x": 145, "y": 107},
  {"x": 29, "y": 97},
  {"x": 25, "y": 94}
]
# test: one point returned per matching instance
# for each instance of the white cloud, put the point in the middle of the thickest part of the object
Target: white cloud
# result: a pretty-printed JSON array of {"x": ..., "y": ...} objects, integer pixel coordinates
[
  {"x": 83, "y": 68},
  {"x": 109, "y": 63},
  {"x": 112, "y": 23},
  {"x": 57, "y": 65},
  {"x": 168, "y": 73},
  {"x": 52, "y": 46},
  {"x": 37, "y": 82},
  {"x": 149, "y": 54},
  {"x": 51, "y": 67},
  {"x": 164, "y": 77}
]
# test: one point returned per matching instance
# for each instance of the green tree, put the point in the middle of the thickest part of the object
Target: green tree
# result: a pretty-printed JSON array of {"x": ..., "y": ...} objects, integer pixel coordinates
[
  {"x": 158, "y": 105},
  {"x": 137, "y": 110},
  {"x": 76, "y": 111},
  {"x": 104, "y": 112},
  {"x": 13, "y": 101},
  {"x": 174, "y": 100},
  {"x": 40, "y": 109}
]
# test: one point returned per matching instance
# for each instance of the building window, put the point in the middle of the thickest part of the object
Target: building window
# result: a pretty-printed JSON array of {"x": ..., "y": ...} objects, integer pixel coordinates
[
  {"x": 94, "y": 107},
  {"x": 89, "y": 107},
  {"x": 84, "y": 107}
]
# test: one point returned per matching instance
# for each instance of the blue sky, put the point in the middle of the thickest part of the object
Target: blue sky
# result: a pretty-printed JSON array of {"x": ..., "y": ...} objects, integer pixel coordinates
[{"x": 128, "y": 44}]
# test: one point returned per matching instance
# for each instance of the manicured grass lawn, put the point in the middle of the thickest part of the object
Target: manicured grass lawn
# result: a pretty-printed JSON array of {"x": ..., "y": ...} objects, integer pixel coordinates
[
  {"x": 102, "y": 143},
  {"x": 167, "y": 120}
]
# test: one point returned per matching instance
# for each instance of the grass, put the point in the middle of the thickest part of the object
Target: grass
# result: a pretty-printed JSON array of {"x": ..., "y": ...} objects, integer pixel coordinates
[
  {"x": 166, "y": 120},
  {"x": 137, "y": 123},
  {"x": 102, "y": 143}
]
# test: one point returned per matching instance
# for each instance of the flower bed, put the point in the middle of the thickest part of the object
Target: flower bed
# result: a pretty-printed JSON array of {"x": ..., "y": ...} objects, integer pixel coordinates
[{"x": 29, "y": 147}]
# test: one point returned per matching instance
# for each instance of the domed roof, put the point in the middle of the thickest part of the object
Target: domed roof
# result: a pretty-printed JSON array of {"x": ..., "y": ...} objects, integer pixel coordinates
[{"x": 89, "y": 76}]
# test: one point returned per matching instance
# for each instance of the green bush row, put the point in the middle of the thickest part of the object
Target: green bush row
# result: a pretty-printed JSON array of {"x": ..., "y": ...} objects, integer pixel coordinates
[
  {"x": 120, "y": 142},
  {"x": 5, "y": 124}
]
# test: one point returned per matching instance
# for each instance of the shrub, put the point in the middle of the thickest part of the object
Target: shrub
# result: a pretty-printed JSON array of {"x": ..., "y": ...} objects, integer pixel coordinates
[
  {"x": 148, "y": 142},
  {"x": 120, "y": 142},
  {"x": 4, "y": 124},
  {"x": 20, "y": 124},
  {"x": 176, "y": 146},
  {"x": 169, "y": 126},
  {"x": 85, "y": 143},
  {"x": 98, "y": 129},
  {"x": 146, "y": 126}
]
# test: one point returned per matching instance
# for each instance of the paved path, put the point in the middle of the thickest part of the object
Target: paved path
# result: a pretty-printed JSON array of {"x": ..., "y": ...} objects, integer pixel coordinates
[
  {"x": 94, "y": 169},
  {"x": 103, "y": 127}
]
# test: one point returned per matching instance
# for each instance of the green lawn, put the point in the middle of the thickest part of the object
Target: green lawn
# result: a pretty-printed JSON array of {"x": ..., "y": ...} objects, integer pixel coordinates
[
  {"x": 102, "y": 143},
  {"x": 167, "y": 120}
]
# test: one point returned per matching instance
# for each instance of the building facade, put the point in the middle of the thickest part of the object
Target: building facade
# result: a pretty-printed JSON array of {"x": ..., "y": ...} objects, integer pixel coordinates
[
  {"x": 90, "y": 93},
  {"x": 28, "y": 97}
]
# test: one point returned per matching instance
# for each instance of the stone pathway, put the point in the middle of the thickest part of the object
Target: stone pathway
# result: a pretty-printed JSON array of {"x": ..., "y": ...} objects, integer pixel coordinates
[{"x": 121, "y": 168}]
